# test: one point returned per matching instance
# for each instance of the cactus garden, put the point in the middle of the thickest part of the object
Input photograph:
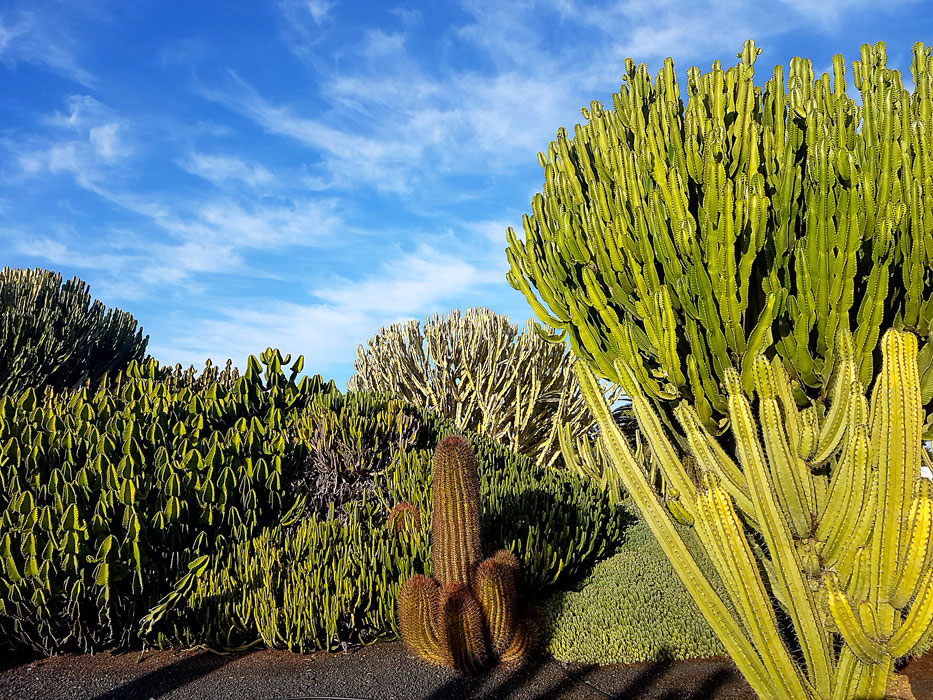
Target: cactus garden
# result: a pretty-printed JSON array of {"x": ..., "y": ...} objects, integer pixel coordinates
[{"x": 753, "y": 270}]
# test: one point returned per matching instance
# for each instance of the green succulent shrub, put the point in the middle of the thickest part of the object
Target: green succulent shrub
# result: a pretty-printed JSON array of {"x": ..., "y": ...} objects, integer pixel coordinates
[
  {"x": 107, "y": 497},
  {"x": 632, "y": 608},
  {"x": 51, "y": 335},
  {"x": 332, "y": 579}
]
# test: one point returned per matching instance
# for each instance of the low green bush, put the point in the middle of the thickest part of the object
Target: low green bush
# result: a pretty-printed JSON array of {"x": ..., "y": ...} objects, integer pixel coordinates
[{"x": 631, "y": 607}]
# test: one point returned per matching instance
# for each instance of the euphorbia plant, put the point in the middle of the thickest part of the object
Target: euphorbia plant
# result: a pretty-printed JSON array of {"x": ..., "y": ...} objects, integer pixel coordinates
[{"x": 848, "y": 550}]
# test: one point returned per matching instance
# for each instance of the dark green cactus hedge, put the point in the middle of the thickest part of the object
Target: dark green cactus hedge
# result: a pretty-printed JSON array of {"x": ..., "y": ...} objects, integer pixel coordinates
[
  {"x": 326, "y": 582},
  {"x": 51, "y": 334},
  {"x": 107, "y": 497}
]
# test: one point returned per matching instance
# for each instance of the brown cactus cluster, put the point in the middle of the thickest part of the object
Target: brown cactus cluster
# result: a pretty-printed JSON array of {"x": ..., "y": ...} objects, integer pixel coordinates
[{"x": 466, "y": 617}]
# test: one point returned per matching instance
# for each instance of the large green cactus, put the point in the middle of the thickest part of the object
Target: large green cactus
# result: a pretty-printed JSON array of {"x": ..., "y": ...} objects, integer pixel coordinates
[
  {"x": 465, "y": 616},
  {"x": 838, "y": 501},
  {"x": 50, "y": 336},
  {"x": 686, "y": 240}
]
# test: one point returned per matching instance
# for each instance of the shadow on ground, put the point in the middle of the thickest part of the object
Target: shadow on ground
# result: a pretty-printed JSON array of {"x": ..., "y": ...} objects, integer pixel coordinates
[{"x": 170, "y": 677}]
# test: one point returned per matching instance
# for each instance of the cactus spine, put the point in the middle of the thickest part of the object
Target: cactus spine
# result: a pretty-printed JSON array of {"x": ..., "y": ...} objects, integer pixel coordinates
[
  {"x": 849, "y": 546},
  {"x": 466, "y": 616}
]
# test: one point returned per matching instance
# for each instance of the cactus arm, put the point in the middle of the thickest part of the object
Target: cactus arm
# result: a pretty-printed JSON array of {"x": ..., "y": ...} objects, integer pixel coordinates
[
  {"x": 629, "y": 352},
  {"x": 833, "y": 428},
  {"x": 494, "y": 587},
  {"x": 897, "y": 414},
  {"x": 919, "y": 621},
  {"x": 714, "y": 610},
  {"x": 790, "y": 474},
  {"x": 789, "y": 406},
  {"x": 847, "y": 522},
  {"x": 703, "y": 405},
  {"x": 759, "y": 338},
  {"x": 710, "y": 454},
  {"x": 866, "y": 649},
  {"x": 418, "y": 610},
  {"x": 670, "y": 360},
  {"x": 847, "y": 675},
  {"x": 871, "y": 310},
  {"x": 722, "y": 536},
  {"x": 843, "y": 281},
  {"x": 917, "y": 556},
  {"x": 462, "y": 631},
  {"x": 674, "y": 471},
  {"x": 777, "y": 534},
  {"x": 518, "y": 281},
  {"x": 455, "y": 541}
]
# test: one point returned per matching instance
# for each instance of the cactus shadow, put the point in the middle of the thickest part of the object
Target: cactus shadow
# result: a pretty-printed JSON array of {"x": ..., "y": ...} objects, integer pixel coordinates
[
  {"x": 169, "y": 677},
  {"x": 504, "y": 682},
  {"x": 11, "y": 657},
  {"x": 547, "y": 679}
]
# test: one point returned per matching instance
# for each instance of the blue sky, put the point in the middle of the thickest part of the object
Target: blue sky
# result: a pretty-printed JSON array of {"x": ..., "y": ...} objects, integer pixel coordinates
[{"x": 239, "y": 175}]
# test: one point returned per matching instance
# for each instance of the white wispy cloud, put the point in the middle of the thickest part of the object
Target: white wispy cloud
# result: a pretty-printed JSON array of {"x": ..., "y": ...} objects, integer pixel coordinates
[
  {"x": 352, "y": 157},
  {"x": 830, "y": 14},
  {"x": 86, "y": 141},
  {"x": 224, "y": 168},
  {"x": 39, "y": 39},
  {"x": 319, "y": 9},
  {"x": 304, "y": 221}
]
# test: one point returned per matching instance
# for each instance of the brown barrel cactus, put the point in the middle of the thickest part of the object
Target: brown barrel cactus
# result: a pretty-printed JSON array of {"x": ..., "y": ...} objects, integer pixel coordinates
[{"x": 466, "y": 617}]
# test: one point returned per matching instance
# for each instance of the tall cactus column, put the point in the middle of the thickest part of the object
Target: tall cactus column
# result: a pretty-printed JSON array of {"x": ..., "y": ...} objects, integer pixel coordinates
[
  {"x": 455, "y": 535},
  {"x": 465, "y": 617}
]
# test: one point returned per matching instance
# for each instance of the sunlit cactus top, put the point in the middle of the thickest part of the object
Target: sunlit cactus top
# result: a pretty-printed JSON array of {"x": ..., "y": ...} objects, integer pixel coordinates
[{"x": 683, "y": 240}]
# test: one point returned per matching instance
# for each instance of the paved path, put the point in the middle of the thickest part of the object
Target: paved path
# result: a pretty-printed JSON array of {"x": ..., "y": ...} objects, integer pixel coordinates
[{"x": 384, "y": 671}]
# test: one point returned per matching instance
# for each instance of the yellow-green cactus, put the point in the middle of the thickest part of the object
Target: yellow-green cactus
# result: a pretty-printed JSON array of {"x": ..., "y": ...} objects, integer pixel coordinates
[
  {"x": 686, "y": 239},
  {"x": 848, "y": 535}
]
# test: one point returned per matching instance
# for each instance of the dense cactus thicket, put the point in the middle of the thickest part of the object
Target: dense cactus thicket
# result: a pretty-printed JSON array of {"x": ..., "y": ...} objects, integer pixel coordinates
[
  {"x": 107, "y": 497},
  {"x": 479, "y": 372},
  {"x": 51, "y": 335},
  {"x": 748, "y": 252},
  {"x": 328, "y": 581},
  {"x": 683, "y": 240}
]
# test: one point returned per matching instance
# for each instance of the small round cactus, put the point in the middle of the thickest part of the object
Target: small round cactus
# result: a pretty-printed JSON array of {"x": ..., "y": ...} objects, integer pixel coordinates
[{"x": 404, "y": 517}]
